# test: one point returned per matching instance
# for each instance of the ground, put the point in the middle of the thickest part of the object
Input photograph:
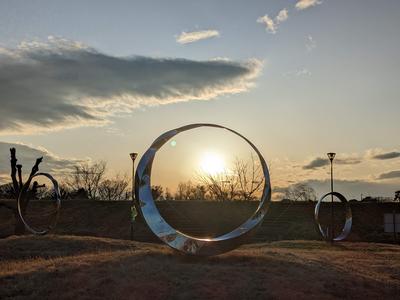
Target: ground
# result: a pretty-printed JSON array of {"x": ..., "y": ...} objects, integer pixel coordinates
[{"x": 71, "y": 267}]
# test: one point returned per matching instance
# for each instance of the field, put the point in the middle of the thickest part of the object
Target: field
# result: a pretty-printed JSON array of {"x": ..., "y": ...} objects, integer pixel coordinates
[{"x": 71, "y": 267}]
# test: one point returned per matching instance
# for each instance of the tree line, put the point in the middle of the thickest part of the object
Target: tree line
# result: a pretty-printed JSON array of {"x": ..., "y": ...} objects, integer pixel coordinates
[{"x": 244, "y": 181}]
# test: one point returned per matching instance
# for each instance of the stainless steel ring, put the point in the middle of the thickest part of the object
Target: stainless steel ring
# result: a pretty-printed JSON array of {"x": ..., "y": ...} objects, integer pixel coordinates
[
  {"x": 349, "y": 218},
  {"x": 176, "y": 239},
  {"x": 57, "y": 200}
]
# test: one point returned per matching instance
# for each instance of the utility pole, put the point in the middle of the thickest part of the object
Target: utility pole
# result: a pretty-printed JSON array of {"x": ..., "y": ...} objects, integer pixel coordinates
[
  {"x": 133, "y": 209},
  {"x": 331, "y": 156}
]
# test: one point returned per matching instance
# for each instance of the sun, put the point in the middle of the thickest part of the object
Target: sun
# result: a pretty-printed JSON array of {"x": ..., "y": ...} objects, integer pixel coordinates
[{"x": 212, "y": 163}]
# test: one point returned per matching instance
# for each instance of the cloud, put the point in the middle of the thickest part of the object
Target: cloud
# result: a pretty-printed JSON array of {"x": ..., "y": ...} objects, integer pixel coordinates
[
  {"x": 271, "y": 25},
  {"x": 194, "y": 36},
  {"x": 310, "y": 43},
  {"x": 387, "y": 155},
  {"x": 27, "y": 155},
  {"x": 316, "y": 163},
  {"x": 389, "y": 175},
  {"x": 298, "y": 73},
  {"x": 282, "y": 16},
  {"x": 321, "y": 162},
  {"x": 351, "y": 189},
  {"x": 354, "y": 188},
  {"x": 62, "y": 84},
  {"x": 304, "y": 4}
]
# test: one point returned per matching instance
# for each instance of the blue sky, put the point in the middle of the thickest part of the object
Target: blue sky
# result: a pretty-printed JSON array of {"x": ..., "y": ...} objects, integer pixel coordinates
[{"x": 329, "y": 80}]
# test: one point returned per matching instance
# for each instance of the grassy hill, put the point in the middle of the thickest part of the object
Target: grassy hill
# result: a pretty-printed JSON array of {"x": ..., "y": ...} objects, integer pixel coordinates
[
  {"x": 284, "y": 221},
  {"x": 72, "y": 267}
]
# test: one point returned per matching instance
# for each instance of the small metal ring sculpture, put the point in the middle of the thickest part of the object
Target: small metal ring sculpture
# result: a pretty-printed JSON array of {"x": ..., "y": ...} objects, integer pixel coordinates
[
  {"x": 349, "y": 219},
  {"x": 176, "y": 239},
  {"x": 57, "y": 200}
]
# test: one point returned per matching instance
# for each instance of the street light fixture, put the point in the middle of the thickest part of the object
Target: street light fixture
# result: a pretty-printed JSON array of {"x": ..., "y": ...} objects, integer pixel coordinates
[{"x": 331, "y": 156}]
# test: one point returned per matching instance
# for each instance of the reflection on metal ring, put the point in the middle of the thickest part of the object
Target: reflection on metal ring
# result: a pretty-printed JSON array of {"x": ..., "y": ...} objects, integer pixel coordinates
[
  {"x": 349, "y": 219},
  {"x": 176, "y": 239},
  {"x": 57, "y": 205}
]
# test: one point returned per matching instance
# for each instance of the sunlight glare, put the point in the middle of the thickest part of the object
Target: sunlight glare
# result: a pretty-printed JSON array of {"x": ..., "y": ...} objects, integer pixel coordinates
[{"x": 212, "y": 163}]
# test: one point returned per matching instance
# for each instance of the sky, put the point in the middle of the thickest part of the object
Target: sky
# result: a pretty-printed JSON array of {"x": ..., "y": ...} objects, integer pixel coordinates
[{"x": 96, "y": 80}]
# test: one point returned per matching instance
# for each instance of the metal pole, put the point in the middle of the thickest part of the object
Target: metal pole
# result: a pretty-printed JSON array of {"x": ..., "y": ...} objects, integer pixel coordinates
[
  {"x": 332, "y": 216},
  {"x": 133, "y": 157},
  {"x": 394, "y": 226},
  {"x": 331, "y": 156}
]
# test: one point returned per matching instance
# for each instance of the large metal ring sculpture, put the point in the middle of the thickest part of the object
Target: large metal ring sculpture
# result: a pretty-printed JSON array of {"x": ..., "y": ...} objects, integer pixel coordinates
[
  {"x": 349, "y": 219},
  {"x": 176, "y": 239},
  {"x": 23, "y": 194}
]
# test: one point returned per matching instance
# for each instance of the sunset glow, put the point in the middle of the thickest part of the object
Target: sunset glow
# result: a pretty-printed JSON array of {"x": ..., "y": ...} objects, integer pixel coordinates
[{"x": 212, "y": 163}]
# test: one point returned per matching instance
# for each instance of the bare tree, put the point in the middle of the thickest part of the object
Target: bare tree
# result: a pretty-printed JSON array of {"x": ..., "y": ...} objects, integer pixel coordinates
[
  {"x": 114, "y": 189},
  {"x": 168, "y": 195},
  {"x": 244, "y": 182},
  {"x": 250, "y": 177},
  {"x": 189, "y": 191},
  {"x": 157, "y": 192},
  {"x": 221, "y": 186},
  {"x": 184, "y": 191},
  {"x": 19, "y": 187},
  {"x": 199, "y": 192},
  {"x": 87, "y": 177},
  {"x": 300, "y": 192}
]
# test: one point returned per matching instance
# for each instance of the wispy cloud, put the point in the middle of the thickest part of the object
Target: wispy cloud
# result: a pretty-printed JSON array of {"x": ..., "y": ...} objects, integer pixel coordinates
[
  {"x": 349, "y": 188},
  {"x": 354, "y": 188},
  {"x": 310, "y": 43},
  {"x": 304, "y": 4},
  {"x": 356, "y": 173},
  {"x": 316, "y": 163},
  {"x": 298, "y": 73},
  {"x": 27, "y": 155},
  {"x": 389, "y": 175},
  {"x": 386, "y": 155},
  {"x": 61, "y": 84},
  {"x": 194, "y": 36},
  {"x": 271, "y": 25},
  {"x": 321, "y": 162}
]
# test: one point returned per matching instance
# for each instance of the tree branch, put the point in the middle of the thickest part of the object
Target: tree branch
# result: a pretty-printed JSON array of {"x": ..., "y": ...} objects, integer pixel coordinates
[
  {"x": 19, "y": 168},
  {"x": 13, "y": 161},
  {"x": 35, "y": 168}
]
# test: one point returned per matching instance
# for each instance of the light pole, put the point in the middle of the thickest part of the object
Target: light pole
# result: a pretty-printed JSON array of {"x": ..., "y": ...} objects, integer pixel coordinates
[
  {"x": 133, "y": 209},
  {"x": 331, "y": 156}
]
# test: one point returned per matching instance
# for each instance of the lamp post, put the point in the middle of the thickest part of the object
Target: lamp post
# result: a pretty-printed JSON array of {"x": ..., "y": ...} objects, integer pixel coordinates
[
  {"x": 133, "y": 210},
  {"x": 331, "y": 156}
]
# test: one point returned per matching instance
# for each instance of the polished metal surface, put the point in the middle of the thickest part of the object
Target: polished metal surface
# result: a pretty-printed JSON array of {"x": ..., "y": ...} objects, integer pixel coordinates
[
  {"x": 57, "y": 200},
  {"x": 349, "y": 219},
  {"x": 176, "y": 239}
]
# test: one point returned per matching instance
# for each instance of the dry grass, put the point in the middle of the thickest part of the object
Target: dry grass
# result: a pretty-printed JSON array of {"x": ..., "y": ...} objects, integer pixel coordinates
[{"x": 70, "y": 267}]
